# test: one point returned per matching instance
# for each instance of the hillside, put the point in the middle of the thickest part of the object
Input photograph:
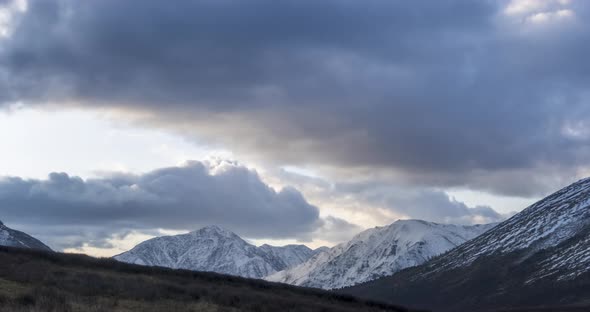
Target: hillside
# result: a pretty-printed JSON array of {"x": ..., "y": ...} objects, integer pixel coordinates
[
  {"x": 32, "y": 280},
  {"x": 378, "y": 252},
  {"x": 14, "y": 238},
  {"x": 539, "y": 257}
]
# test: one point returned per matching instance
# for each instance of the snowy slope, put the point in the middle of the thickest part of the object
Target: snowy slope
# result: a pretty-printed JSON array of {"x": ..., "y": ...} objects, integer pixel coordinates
[
  {"x": 540, "y": 256},
  {"x": 321, "y": 249},
  {"x": 378, "y": 252},
  {"x": 13, "y": 238},
  {"x": 546, "y": 223},
  {"x": 290, "y": 255},
  {"x": 217, "y": 250}
]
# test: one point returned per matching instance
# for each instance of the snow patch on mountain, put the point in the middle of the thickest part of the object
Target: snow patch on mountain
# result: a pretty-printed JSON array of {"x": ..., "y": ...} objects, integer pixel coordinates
[
  {"x": 218, "y": 250},
  {"x": 378, "y": 252},
  {"x": 545, "y": 224},
  {"x": 13, "y": 238},
  {"x": 290, "y": 255}
]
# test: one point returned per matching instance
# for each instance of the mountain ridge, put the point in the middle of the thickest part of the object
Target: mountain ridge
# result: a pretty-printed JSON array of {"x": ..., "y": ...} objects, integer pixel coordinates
[
  {"x": 14, "y": 238},
  {"x": 540, "y": 256},
  {"x": 378, "y": 252},
  {"x": 215, "y": 249}
]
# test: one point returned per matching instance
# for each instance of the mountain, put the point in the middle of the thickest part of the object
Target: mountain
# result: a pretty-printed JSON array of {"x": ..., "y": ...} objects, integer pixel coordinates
[
  {"x": 290, "y": 255},
  {"x": 216, "y": 250},
  {"x": 321, "y": 249},
  {"x": 13, "y": 238},
  {"x": 540, "y": 256},
  {"x": 378, "y": 252}
]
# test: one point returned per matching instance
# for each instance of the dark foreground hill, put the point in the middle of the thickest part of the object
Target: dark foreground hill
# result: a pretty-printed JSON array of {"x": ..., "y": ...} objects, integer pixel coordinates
[
  {"x": 33, "y": 280},
  {"x": 538, "y": 258}
]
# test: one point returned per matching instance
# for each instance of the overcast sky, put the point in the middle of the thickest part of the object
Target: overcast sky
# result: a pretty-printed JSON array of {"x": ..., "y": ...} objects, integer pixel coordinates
[{"x": 285, "y": 121}]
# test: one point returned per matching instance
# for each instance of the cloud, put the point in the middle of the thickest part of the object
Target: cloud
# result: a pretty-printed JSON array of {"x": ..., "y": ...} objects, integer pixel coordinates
[
  {"x": 520, "y": 7},
  {"x": 424, "y": 204},
  {"x": 435, "y": 206},
  {"x": 439, "y": 94},
  {"x": 9, "y": 12},
  {"x": 72, "y": 211},
  {"x": 336, "y": 230},
  {"x": 387, "y": 202}
]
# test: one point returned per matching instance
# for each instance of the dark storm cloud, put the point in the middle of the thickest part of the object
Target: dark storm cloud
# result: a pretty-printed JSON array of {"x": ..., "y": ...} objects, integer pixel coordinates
[
  {"x": 442, "y": 93},
  {"x": 176, "y": 198}
]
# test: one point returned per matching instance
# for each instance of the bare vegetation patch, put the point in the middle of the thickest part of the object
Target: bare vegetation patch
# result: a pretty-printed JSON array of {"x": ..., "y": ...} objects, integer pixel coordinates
[{"x": 34, "y": 281}]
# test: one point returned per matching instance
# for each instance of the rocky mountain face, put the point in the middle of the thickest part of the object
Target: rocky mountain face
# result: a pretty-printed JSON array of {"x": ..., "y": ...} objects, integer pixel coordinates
[
  {"x": 13, "y": 238},
  {"x": 378, "y": 252},
  {"x": 540, "y": 256},
  {"x": 290, "y": 255},
  {"x": 216, "y": 250}
]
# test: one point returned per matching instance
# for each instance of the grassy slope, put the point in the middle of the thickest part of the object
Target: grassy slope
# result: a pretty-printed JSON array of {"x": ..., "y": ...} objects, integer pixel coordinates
[{"x": 44, "y": 281}]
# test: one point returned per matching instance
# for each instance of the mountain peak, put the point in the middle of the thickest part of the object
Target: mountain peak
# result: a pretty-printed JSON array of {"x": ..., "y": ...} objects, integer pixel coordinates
[
  {"x": 213, "y": 248},
  {"x": 544, "y": 249},
  {"x": 412, "y": 221},
  {"x": 214, "y": 229},
  {"x": 377, "y": 252}
]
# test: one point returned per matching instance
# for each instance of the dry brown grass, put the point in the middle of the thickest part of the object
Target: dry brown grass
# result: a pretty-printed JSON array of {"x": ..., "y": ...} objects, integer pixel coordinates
[{"x": 34, "y": 281}]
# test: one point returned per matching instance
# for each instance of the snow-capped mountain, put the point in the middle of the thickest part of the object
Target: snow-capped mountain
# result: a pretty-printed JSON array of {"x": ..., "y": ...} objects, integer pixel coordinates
[
  {"x": 13, "y": 238},
  {"x": 216, "y": 250},
  {"x": 321, "y": 249},
  {"x": 539, "y": 256},
  {"x": 290, "y": 255},
  {"x": 378, "y": 252},
  {"x": 545, "y": 224}
]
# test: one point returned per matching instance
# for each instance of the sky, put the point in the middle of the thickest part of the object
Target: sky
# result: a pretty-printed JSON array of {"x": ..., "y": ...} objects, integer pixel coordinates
[{"x": 284, "y": 121}]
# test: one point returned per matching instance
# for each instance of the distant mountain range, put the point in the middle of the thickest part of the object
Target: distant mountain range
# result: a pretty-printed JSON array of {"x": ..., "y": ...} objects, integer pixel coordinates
[
  {"x": 216, "y": 250},
  {"x": 371, "y": 254},
  {"x": 378, "y": 252},
  {"x": 540, "y": 256},
  {"x": 13, "y": 238}
]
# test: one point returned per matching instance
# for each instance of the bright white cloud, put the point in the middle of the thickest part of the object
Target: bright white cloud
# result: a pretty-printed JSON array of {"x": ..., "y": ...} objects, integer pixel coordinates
[
  {"x": 538, "y": 12},
  {"x": 522, "y": 7},
  {"x": 8, "y": 15},
  {"x": 86, "y": 143},
  {"x": 116, "y": 244},
  {"x": 545, "y": 17},
  {"x": 503, "y": 204}
]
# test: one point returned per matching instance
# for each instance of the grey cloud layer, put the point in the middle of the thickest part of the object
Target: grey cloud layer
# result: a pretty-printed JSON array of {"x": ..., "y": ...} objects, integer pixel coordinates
[
  {"x": 181, "y": 198},
  {"x": 415, "y": 203},
  {"x": 427, "y": 204},
  {"x": 443, "y": 93}
]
